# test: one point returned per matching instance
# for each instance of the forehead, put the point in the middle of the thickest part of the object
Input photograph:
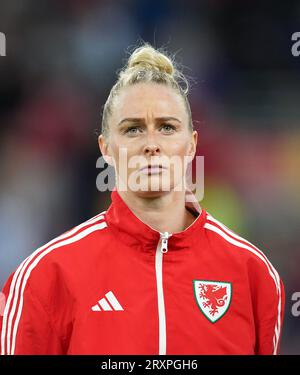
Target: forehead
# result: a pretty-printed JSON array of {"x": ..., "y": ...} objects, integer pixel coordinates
[{"x": 138, "y": 99}]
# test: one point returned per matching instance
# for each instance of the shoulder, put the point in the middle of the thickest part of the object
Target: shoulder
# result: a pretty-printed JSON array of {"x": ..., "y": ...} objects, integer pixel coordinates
[
  {"x": 240, "y": 249},
  {"x": 57, "y": 253},
  {"x": 45, "y": 274}
]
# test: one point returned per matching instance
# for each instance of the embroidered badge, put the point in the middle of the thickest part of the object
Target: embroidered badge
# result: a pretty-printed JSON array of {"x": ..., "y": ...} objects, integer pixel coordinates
[{"x": 213, "y": 298}]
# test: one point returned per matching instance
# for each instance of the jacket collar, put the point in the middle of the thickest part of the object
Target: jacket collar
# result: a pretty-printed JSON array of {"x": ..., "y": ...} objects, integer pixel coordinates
[{"x": 133, "y": 231}]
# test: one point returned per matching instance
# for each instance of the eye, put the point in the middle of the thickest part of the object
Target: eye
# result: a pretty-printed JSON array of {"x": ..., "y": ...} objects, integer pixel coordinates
[
  {"x": 168, "y": 128},
  {"x": 132, "y": 130}
]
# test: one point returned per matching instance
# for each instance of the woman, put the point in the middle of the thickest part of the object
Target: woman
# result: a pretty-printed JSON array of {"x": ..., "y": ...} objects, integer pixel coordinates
[{"x": 155, "y": 273}]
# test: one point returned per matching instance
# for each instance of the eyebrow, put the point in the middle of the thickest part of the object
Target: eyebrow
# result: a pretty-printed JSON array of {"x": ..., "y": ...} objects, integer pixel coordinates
[{"x": 140, "y": 119}]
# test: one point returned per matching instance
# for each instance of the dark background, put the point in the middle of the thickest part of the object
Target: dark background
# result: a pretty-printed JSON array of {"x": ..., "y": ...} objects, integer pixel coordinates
[{"x": 62, "y": 57}]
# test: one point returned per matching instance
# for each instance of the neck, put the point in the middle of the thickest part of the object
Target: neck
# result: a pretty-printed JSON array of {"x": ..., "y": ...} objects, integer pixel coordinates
[{"x": 165, "y": 212}]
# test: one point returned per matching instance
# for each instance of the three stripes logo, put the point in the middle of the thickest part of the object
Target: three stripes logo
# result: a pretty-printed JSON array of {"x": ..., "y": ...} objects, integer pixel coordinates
[{"x": 110, "y": 303}]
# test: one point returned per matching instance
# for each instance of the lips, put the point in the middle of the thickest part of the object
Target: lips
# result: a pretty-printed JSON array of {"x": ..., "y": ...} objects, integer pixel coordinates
[
  {"x": 152, "y": 169},
  {"x": 149, "y": 166}
]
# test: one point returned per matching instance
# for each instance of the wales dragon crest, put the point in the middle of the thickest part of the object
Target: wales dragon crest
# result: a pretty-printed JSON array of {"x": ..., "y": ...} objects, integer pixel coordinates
[{"x": 213, "y": 298}]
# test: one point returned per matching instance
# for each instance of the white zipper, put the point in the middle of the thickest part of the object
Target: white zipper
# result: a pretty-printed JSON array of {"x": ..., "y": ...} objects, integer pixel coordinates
[{"x": 161, "y": 249}]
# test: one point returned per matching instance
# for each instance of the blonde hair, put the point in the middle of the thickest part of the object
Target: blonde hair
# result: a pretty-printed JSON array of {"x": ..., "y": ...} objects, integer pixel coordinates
[{"x": 147, "y": 64}]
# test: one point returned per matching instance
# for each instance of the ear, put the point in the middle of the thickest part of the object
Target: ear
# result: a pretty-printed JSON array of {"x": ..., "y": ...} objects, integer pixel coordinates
[
  {"x": 104, "y": 149},
  {"x": 193, "y": 144}
]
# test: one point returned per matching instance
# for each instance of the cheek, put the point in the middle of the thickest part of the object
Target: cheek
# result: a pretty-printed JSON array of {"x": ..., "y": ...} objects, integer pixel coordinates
[
  {"x": 122, "y": 152},
  {"x": 180, "y": 150},
  {"x": 117, "y": 143},
  {"x": 177, "y": 148}
]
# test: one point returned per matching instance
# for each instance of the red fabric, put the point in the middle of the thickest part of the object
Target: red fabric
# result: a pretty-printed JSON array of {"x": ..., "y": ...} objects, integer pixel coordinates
[{"x": 65, "y": 279}]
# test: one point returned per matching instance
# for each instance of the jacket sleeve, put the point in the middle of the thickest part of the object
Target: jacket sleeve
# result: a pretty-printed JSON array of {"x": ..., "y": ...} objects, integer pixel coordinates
[
  {"x": 268, "y": 299},
  {"x": 25, "y": 326}
]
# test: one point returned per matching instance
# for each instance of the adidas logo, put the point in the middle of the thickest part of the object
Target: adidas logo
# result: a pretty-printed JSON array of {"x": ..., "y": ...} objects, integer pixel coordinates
[{"x": 110, "y": 303}]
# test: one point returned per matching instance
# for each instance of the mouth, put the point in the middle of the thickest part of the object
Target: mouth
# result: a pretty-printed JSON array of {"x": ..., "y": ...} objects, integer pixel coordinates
[{"x": 152, "y": 169}]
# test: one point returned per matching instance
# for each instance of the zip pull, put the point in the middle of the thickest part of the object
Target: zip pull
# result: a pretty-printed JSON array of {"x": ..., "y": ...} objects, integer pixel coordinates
[{"x": 164, "y": 241}]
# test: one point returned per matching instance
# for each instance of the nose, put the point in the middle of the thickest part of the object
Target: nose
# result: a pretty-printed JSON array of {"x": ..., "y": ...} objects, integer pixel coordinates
[{"x": 151, "y": 149}]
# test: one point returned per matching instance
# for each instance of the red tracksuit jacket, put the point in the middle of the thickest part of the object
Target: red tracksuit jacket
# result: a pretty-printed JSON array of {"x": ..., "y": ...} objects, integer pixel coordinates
[{"x": 114, "y": 285}]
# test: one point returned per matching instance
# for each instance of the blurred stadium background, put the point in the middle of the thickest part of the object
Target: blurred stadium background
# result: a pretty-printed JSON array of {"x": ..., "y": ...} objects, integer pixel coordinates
[{"x": 61, "y": 60}]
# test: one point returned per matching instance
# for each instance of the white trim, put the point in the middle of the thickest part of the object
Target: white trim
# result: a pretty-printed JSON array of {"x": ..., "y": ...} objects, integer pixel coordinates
[
  {"x": 92, "y": 219},
  {"x": 278, "y": 327},
  {"x": 230, "y": 232},
  {"x": 160, "y": 298},
  {"x": 273, "y": 273},
  {"x": 272, "y": 268},
  {"x": 77, "y": 237},
  {"x": 16, "y": 281}
]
